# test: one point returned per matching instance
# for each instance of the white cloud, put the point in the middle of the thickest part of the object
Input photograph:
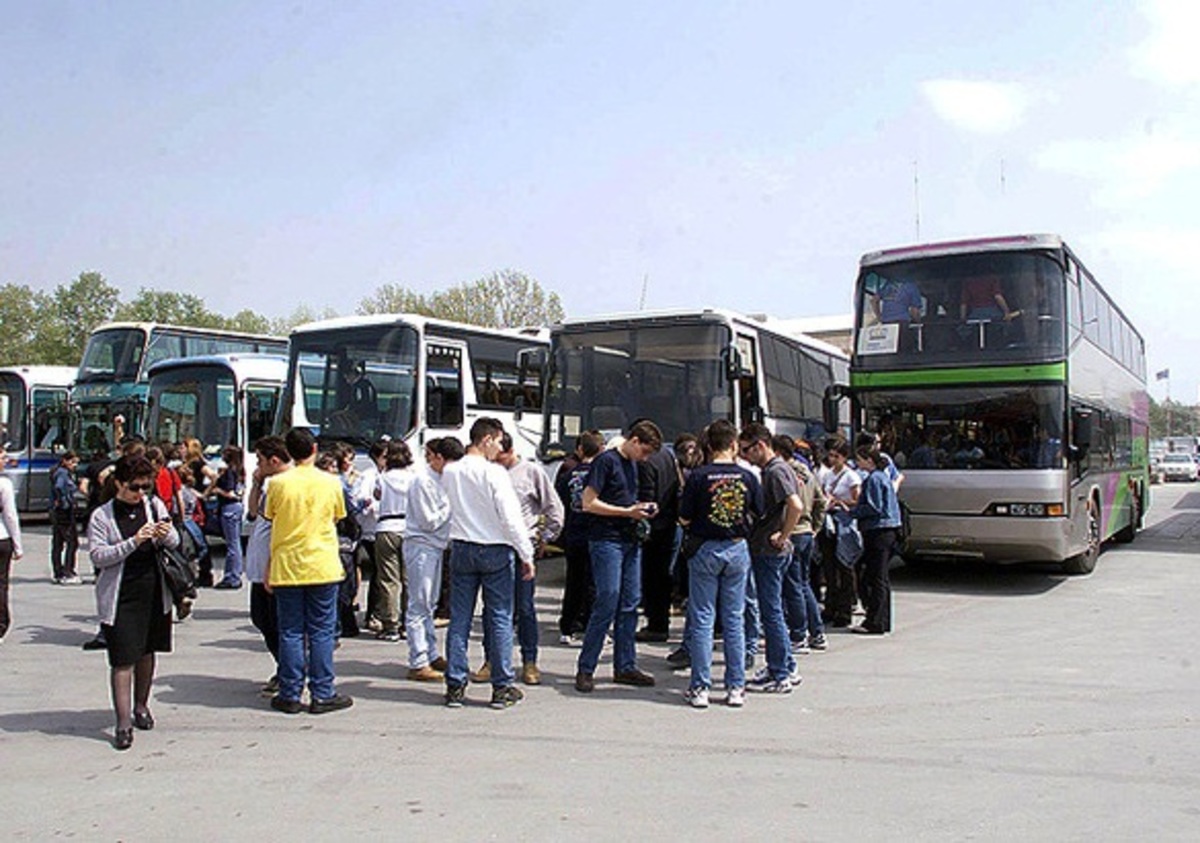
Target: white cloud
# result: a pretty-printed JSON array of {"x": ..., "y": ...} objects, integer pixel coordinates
[
  {"x": 984, "y": 107},
  {"x": 1169, "y": 54},
  {"x": 1123, "y": 170}
]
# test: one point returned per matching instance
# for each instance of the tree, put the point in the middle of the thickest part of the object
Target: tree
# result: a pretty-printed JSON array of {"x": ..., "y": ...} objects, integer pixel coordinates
[
  {"x": 250, "y": 322},
  {"x": 283, "y": 325},
  {"x": 170, "y": 308},
  {"x": 22, "y": 309},
  {"x": 69, "y": 316},
  {"x": 505, "y": 299}
]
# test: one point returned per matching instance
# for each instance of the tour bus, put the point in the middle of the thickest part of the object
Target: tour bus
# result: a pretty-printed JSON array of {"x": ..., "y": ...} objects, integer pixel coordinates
[
  {"x": 220, "y": 399},
  {"x": 113, "y": 376},
  {"x": 34, "y": 424},
  {"x": 360, "y": 378},
  {"x": 682, "y": 370},
  {"x": 1011, "y": 391}
]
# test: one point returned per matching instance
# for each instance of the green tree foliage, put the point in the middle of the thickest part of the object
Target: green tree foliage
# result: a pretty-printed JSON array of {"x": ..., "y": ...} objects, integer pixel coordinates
[
  {"x": 21, "y": 307},
  {"x": 1171, "y": 418},
  {"x": 68, "y": 315},
  {"x": 282, "y": 326},
  {"x": 505, "y": 299},
  {"x": 170, "y": 308}
]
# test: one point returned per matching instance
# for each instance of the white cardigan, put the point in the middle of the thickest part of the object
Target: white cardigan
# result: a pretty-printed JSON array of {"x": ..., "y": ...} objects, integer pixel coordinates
[{"x": 109, "y": 551}]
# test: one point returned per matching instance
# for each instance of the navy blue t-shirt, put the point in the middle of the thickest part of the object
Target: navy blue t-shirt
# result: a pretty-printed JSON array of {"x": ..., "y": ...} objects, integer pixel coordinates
[
  {"x": 722, "y": 501},
  {"x": 570, "y": 484},
  {"x": 615, "y": 481}
]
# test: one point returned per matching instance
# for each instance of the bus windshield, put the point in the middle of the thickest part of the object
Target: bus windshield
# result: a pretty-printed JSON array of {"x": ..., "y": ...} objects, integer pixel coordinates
[
  {"x": 998, "y": 306},
  {"x": 974, "y": 427},
  {"x": 113, "y": 355},
  {"x": 357, "y": 384},
  {"x": 196, "y": 402},
  {"x": 12, "y": 412},
  {"x": 607, "y": 378}
]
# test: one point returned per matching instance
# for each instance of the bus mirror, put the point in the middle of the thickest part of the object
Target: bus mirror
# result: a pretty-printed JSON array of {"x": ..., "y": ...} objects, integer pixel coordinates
[
  {"x": 735, "y": 369},
  {"x": 834, "y": 393},
  {"x": 755, "y": 414},
  {"x": 1082, "y": 429}
]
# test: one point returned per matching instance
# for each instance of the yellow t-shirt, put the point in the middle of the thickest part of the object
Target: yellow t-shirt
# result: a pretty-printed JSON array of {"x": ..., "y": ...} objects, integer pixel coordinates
[{"x": 303, "y": 507}]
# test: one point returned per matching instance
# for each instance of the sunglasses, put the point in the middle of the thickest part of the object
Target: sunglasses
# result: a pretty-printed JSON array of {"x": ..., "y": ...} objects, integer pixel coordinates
[{"x": 140, "y": 487}]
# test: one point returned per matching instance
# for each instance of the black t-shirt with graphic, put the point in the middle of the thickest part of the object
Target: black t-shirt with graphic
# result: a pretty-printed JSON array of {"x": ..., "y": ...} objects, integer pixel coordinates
[
  {"x": 722, "y": 501},
  {"x": 615, "y": 481}
]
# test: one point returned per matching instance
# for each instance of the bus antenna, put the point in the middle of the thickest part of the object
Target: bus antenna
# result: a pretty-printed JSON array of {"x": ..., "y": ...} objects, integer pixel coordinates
[{"x": 645, "y": 284}]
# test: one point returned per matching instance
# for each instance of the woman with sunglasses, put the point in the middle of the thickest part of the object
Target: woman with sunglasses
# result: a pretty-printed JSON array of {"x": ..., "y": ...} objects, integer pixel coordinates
[{"x": 133, "y": 602}]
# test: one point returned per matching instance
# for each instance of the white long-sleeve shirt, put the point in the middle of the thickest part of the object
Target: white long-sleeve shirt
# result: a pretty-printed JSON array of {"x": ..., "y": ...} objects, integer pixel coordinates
[
  {"x": 10, "y": 527},
  {"x": 483, "y": 505},
  {"x": 393, "y": 500},
  {"x": 427, "y": 520}
]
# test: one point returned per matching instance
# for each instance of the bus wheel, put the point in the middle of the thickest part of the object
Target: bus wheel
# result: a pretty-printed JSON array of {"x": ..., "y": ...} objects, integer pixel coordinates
[
  {"x": 1125, "y": 534},
  {"x": 1085, "y": 562}
]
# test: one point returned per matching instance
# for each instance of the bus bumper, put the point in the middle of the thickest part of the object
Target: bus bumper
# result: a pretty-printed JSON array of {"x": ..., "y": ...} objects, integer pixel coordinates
[{"x": 991, "y": 539}]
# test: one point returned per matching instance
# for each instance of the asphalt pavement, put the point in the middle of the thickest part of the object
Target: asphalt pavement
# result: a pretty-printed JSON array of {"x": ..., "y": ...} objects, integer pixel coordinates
[{"x": 1009, "y": 703}]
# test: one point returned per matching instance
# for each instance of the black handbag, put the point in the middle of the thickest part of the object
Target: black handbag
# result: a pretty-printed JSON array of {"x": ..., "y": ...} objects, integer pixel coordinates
[{"x": 178, "y": 572}]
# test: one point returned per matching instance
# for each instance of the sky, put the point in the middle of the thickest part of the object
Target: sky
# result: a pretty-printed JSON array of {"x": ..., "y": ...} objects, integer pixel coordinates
[{"x": 727, "y": 154}]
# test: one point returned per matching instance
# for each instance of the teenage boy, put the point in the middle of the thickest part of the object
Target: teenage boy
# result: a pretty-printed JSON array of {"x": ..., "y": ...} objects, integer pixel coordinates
[{"x": 273, "y": 460}]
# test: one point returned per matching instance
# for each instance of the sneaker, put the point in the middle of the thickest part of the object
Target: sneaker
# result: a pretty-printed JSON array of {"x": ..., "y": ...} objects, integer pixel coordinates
[
  {"x": 373, "y": 624},
  {"x": 393, "y": 636},
  {"x": 484, "y": 674},
  {"x": 334, "y": 703},
  {"x": 584, "y": 682},
  {"x": 736, "y": 698},
  {"x": 183, "y": 609},
  {"x": 286, "y": 706},
  {"x": 654, "y": 636},
  {"x": 439, "y": 623},
  {"x": 271, "y": 688},
  {"x": 530, "y": 674},
  {"x": 635, "y": 677},
  {"x": 817, "y": 643},
  {"x": 568, "y": 640},
  {"x": 696, "y": 697},
  {"x": 71, "y": 580},
  {"x": 506, "y": 696},
  {"x": 783, "y": 686},
  {"x": 761, "y": 677},
  {"x": 801, "y": 646},
  {"x": 679, "y": 658},
  {"x": 455, "y": 696},
  {"x": 794, "y": 677},
  {"x": 863, "y": 629},
  {"x": 425, "y": 673},
  {"x": 439, "y": 664}
]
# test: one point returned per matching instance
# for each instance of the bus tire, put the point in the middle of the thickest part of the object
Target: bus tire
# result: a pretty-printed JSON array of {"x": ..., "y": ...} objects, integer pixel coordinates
[
  {"x": 1085, "y": 563},
  {"x": 1125, "y": 534}
]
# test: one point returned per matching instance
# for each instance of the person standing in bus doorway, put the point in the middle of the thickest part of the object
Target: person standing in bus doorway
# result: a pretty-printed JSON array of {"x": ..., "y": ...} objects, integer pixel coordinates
[
  {"x": 304, "y": 573},
  {"x": 63, "y": 516},
  {"x": 10, "y": 539},
  {"x": 616, "y": 553},
  {"x": 542, "y": 512},
  {"x": 229, "y": 489},
  {"x": 487, "y": 536}
]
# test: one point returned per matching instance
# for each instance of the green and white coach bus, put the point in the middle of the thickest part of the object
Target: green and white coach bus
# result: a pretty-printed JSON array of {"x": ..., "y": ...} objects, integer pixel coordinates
[{"x": 1011, "y": 391}]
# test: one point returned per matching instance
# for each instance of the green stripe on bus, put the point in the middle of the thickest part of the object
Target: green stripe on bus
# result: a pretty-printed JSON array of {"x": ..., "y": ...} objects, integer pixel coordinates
[{"x": 1048, "y": 372}]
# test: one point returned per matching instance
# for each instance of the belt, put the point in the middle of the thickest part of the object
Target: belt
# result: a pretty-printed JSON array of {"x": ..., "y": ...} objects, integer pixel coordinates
[{"x": 397, "y": 517}]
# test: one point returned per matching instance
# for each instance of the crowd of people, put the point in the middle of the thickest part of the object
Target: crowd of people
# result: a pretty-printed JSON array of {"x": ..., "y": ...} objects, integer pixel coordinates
[{"x": 753, "y": 536}]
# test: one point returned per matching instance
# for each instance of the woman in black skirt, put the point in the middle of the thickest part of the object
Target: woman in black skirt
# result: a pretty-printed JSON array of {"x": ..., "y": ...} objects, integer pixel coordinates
[{"x": 132, "y": 599}]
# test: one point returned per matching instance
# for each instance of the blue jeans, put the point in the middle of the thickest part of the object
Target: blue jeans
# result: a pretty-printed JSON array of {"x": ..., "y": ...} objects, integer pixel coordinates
[
  {"x": 752, "y": 617},
  {"x": 718, "y": 571},
  {"x": 617, "y": 573},
  {"x": 307, "y": 616},
  {"x": 474, "y": 567},
  {"x": 768, "y": 579},
  {"x": 231, "y": 531},
  {"x": 799, "y": 600},
  {"x": 524, "y": 618}
]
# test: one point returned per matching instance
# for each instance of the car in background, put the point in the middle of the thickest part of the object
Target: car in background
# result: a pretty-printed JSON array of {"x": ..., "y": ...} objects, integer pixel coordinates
[{"x": 1179, "y": 467}]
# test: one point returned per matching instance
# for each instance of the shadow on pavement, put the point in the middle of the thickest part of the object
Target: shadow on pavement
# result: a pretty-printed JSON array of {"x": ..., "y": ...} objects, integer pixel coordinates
[
  {"x": 57, "y": 636},
  {"x": 969, "y": 577},
  {"x": 249, "y": 644},
  {"x": 209, "y": 691},
  {"x": 95, "y": 724}
]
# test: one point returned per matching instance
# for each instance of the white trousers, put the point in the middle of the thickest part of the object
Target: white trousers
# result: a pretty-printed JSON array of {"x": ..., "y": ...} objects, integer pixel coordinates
[{"x": 423, "y": 567}]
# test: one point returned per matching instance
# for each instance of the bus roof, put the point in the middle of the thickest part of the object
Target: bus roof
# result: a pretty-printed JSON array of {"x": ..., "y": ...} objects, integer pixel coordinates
[
  {"x": 533, "y": 334},
  {"x": 1012, "y": 243},
  {"x": 265, "y": 367},
  {"x": 190, "y": 329},
  {"x": 708, "y": 314},
  {"x": 44, "y": 375}
]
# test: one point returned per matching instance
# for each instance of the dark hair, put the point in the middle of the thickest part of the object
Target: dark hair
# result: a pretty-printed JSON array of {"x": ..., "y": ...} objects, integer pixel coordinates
[
  {"x": 234, "y": 461},
  {"x": 272, "y": 446},
  {"x": 506, "y": 442},
  {"x": 590, "y": 443},
  {"x": 128, "y": 469},
  {"x": 784, "y": 445},
  {"x": 378, "y": 449},
  {"x": 646, "y": 432},
  {"x": 448, "y": 448},
  {"x": 688, "y": 450},
  {"x": 755, "y": 432},
  {"x": 864, "y": 439},
  {"x": 399, "y": 455},
  {"x": 870, "y": 453},
  {"x": 326, "y": 461},
  {"x": 838, "y": 446},
  {"x": 721, "y": 435},
  {"x": 67, "y": 456},
  {"x": 155, "y": 455},
  {"x": 484, "y": 427},
  {"x": 300, "y": 443}
]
